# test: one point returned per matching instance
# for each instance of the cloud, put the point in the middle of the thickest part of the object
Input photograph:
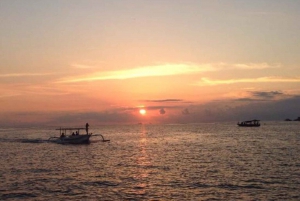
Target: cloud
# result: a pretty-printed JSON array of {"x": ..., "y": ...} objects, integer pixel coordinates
[
  {"x": 58, "y": 119},
  {"x": 207, "y": 81},
  {"x": 266, "y": 94},
  {"x": 270, "y": 110},
  {"x": 262, "y": 96},
  {"x": 254, "y": 66},
  {"x": 146, "y": 71},
  {"x": 24, "y": 74},
  {"x": 162, "y": 111},
  {"x": 31, "y": 89},
  {"x": 82, "y": 66},
  {"x": 164, "y": 100},
  {"x": 9, "y": 94},
  {"x": 241, "y": 66},
  {"x": 156, "y": 107},
  {"x": 247, "y": 99},
  {"x": 228, "y": 111},
  {"x": 167, "y": 69}
]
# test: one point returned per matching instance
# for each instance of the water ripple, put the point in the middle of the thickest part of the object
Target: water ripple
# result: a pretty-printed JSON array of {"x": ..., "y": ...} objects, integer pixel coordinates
[{"x": 154, "y": 162}]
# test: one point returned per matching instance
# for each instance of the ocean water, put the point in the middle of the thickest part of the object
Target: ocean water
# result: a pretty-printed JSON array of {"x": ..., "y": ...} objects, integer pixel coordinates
[{"x": 217, "y": 161}]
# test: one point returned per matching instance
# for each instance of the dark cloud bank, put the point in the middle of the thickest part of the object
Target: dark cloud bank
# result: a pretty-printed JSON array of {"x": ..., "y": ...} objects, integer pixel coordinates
[{"x": 265, "y": 109}]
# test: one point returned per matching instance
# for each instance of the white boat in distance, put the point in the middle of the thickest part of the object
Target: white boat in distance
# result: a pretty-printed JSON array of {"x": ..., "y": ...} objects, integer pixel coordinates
[{"x": 73, "y": 137}]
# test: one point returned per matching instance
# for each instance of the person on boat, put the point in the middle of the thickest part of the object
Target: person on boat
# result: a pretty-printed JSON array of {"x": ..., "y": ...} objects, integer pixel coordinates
[
  {"x": 87, "y": 128},
  {"x": 77, "y": 133},
  {"x": 73, "y": 133},
  {"x": 62, "y": 135}
]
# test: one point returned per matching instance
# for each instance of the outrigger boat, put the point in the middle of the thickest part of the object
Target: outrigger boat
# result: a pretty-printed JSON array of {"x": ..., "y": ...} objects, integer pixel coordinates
[
  {"x": 73, "y": 138},
  {"x": 251, "y": 123}
]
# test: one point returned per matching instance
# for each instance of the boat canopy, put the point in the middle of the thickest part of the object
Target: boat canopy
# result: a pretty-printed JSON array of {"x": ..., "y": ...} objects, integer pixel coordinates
[
  {"x": 69, "y": 128},
  {"x": 64, "y": 130},
  {"x": 254, "y": 120}
]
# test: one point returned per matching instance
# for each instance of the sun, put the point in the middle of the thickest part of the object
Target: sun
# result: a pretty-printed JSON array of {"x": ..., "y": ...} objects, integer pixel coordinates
[{"x": 142, "y": 111}]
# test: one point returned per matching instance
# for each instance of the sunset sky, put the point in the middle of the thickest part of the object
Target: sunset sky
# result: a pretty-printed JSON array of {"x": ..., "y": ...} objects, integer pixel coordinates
[{"x": 68, "y": 62}]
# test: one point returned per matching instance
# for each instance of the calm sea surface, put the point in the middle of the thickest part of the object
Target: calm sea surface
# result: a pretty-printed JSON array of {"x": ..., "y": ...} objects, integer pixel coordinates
[{"x": 154, "y": 162}]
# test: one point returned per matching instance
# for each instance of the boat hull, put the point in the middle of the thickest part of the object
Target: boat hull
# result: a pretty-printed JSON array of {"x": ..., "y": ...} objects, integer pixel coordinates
[
  {"x": 248, "y": 125},
  {"x": 75, "y": 139}
]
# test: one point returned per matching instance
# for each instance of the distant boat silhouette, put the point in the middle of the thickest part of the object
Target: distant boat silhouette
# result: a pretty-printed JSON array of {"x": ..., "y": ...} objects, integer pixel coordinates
[
  {"x": 250, "y": 123},
  {"x": 298, "y": 119}
]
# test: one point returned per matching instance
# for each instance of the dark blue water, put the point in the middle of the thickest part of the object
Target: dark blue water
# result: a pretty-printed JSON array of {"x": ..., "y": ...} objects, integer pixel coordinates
[{"x": 154, "y": 162}]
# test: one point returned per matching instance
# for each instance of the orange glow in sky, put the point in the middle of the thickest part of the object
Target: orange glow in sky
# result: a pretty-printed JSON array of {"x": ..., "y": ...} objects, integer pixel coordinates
[{"x": 107, "y": 62}]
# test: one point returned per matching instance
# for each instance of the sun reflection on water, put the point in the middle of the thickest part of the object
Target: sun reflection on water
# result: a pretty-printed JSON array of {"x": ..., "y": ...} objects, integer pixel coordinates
[{"x": 143, "y": 163}]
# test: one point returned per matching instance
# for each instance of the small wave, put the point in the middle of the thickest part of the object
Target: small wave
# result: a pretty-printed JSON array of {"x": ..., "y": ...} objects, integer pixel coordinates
[
  {"x": 23, "y": 140},
  {"x": 235, "y": 187},
  {"x": 274, "y": 181},
  {"x": 33, "y": 141},
  {"x": 39, "y": 170},
  {"x": 201, "y": 185},
  {"x": 165, "y": 168},
  {"x": 226, "y": 186},
  {"x": 17, "y": 195},
  {"x": 101, "y": 183}
]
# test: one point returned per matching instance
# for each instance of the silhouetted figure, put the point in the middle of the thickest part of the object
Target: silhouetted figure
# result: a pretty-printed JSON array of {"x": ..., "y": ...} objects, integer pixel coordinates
[
  {"x": 87, "y": 128},
  {"x": 73, "y": 133},
  {"x": 77, "y": 133}
]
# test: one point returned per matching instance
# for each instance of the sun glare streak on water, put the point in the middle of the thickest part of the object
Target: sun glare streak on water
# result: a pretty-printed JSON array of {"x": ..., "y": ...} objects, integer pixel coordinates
[{"x": 154, "y": 162}]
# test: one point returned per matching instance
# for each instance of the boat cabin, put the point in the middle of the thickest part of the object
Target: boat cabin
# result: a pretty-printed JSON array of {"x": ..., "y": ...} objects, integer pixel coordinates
[{"x": 250, "y": 123}]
